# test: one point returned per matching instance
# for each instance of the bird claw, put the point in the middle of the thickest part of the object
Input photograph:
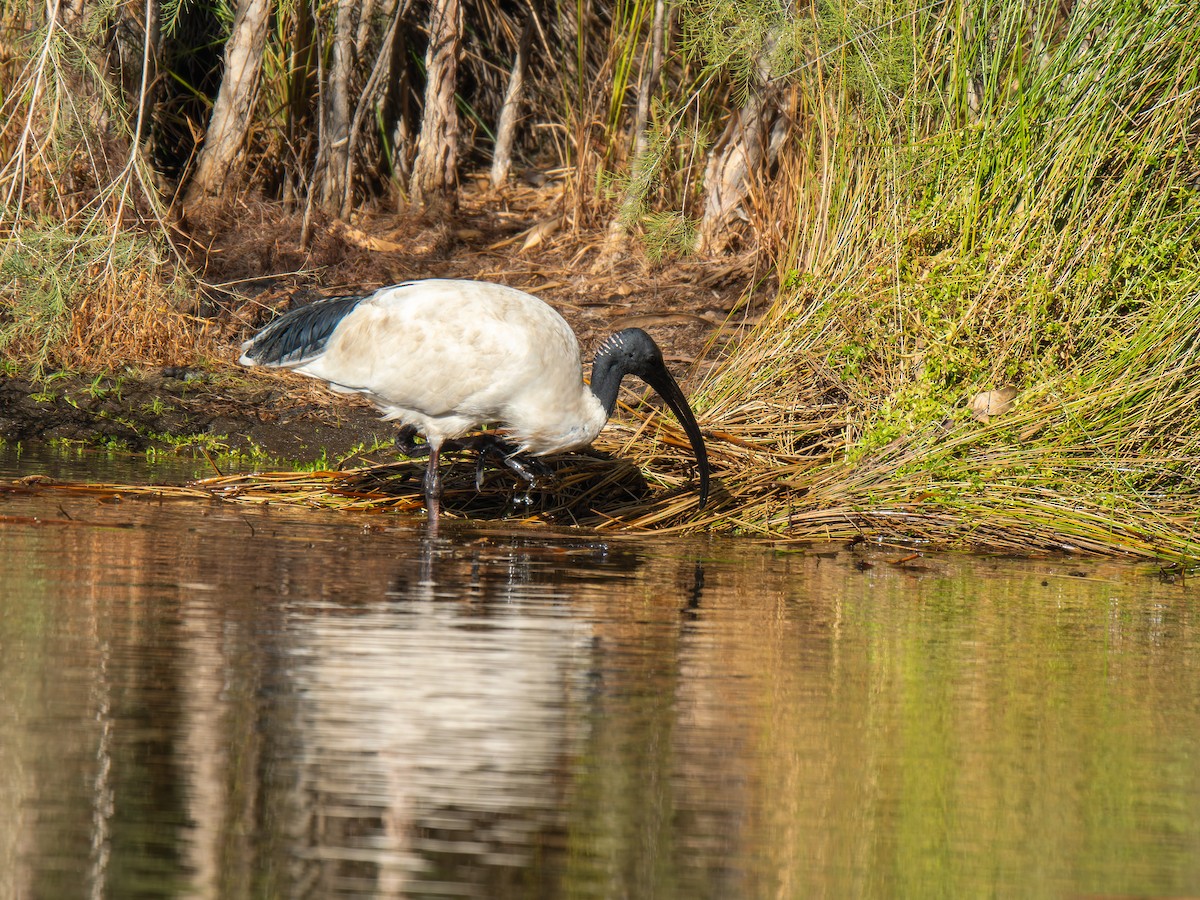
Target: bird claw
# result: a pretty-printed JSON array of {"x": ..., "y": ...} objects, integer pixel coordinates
[
  {"x": 480, "y": 466},
  {"x": 406, "y": 443},
  {"x": 528, "y": 468}
]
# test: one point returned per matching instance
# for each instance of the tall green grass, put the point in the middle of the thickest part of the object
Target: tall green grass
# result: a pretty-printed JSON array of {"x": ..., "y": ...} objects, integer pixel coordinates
[{"x": 1023, "y": 210}]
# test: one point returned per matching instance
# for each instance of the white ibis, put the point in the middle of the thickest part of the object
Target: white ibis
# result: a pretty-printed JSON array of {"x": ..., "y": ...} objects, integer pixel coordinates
[{"x": 446, "y": 357}]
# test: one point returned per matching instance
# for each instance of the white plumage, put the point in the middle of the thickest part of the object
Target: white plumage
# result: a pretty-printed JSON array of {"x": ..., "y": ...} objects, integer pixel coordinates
[{"x": 447, "y": 357}]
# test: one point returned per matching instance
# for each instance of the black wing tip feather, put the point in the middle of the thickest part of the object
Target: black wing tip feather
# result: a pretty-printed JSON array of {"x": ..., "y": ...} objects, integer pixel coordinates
[{"x": 300, "y": 333}]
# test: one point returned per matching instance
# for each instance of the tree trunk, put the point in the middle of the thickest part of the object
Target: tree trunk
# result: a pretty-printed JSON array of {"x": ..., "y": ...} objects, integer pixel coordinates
[
  {"x": 334, "y": 193},
  {"x": 216, "y": 167},
  {"x": 376, "y": 86},
  {"x": 362, "y": 40},
  {"x": 301, "y": 88},
  {"x": 739, "y": 154},
  {"x": 401, "y": 109},
  {"x": 507, "y": 128},
  {"x": 435, "y": 172},
  {"x": 73, "y": 14},
  {"x": 135, "y": 45}
]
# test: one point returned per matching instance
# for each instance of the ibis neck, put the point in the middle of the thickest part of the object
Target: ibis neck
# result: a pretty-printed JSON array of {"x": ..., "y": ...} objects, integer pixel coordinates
[{"x": 606, "y": 383}]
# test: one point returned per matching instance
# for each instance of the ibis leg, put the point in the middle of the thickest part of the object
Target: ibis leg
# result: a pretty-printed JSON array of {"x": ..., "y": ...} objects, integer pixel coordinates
[
  {"x": 488, "y": 446},
  {"x": 406, "y": 443},
  {"x": 433, "y": 485}
]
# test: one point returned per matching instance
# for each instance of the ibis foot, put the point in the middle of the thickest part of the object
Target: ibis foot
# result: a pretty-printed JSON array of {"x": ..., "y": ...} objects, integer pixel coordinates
[
  {"x": 487, "y": 444},
  {"x": 406, "y": 443},
  {"x": 528, "y": 468}
]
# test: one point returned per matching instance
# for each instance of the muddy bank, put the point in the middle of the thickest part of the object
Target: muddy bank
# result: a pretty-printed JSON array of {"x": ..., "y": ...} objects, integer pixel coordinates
[{"x": 170, "y": 408}]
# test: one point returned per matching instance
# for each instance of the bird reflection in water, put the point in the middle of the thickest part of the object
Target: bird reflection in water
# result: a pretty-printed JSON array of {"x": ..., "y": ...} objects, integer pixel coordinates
[{"x": 439, "y": 728}]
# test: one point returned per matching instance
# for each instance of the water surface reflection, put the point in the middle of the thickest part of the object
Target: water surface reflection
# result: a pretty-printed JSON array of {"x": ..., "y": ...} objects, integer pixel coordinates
[{"x": 207, "y": 700}]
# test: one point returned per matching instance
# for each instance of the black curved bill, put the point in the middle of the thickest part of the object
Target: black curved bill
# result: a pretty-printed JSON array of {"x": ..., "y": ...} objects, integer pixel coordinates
[{"x": 668, "y": 388}]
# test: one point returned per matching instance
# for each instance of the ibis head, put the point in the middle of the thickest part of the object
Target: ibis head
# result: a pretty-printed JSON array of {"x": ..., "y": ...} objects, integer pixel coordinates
[{"x": 633, "y": 352}]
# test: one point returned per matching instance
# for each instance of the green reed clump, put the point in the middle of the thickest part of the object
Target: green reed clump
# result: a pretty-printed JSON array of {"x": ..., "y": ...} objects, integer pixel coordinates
[{"x": 1025, "y": 213}]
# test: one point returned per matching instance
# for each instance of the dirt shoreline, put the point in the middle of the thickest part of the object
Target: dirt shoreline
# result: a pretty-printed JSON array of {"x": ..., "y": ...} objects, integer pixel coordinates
[
  {"x": 165, "y": 409},
  {"x": 693, "y": 308}
]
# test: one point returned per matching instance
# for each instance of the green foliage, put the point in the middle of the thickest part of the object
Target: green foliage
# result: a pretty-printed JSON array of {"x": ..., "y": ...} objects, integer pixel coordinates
[
  {"x": 866, "y": 50},
  {"x": 56, "y": 282},
  {"x": 38, "y": 304},
  {"x": 730, "y": 37},
  {"x": 1016, "y": 201},
  {"x": 668, "y": 234}
]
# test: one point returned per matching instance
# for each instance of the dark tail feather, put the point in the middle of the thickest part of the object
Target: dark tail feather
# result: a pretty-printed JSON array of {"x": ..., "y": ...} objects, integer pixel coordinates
[{"x": 298, "y": 334}]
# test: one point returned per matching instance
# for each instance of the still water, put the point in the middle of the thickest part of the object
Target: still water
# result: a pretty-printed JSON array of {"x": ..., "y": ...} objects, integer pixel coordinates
[{"x": 210, "y": 700}]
